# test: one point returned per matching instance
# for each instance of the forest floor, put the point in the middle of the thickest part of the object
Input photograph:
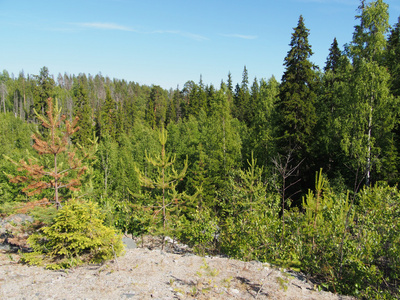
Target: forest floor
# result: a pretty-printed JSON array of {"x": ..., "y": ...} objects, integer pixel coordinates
[{"x": 151, "y": 273}]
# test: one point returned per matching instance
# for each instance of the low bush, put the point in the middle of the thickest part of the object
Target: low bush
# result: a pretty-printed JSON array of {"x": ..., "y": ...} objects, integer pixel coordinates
[{"x": 78, "y": 235}]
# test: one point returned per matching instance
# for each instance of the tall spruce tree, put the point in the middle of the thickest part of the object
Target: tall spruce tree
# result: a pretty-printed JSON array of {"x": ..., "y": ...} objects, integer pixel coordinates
[
  {"x": 43, "y": 90},
  {"x": 295, "y": 107},
  {"x": 242, "y": 99},
  {"x": 156, "y": 110},
  {"x": 108, "y": 116},
  {"x": 295, "y": 111},
  {"x": 333, "y": 93},
  {"x": 83, "y": 111}
]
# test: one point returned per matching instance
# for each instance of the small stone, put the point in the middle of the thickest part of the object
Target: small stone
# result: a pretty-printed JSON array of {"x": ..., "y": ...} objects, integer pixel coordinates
[
  {"x": 129, "y": 295},
  {"x": 129, "y": 243},
  {"x": 235, "y": 291}
]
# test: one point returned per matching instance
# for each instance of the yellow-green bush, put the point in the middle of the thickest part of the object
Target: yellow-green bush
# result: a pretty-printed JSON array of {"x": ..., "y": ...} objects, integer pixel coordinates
[{"x": 77, "y": 235}]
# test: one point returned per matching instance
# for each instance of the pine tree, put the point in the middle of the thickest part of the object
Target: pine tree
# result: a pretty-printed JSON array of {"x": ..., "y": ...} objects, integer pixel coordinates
[
  {"x": 164, "y": 183},
  {"x": 57, "y": 146}
]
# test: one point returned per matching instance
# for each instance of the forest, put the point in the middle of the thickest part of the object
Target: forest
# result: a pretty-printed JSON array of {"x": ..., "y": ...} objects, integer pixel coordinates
[{"x": 301, "y": 172}]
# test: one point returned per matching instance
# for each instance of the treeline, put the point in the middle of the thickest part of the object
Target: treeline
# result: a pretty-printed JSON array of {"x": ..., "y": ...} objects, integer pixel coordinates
[{"x": 253, "y": 151}]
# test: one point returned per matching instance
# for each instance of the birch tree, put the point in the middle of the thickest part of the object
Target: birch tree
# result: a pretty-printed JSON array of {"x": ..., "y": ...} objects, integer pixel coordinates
[{"x": 371, "y": 112}]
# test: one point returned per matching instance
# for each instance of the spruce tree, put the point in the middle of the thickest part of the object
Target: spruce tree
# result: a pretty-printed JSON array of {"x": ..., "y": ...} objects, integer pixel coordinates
[
  {"x": 43, "y": 90},
  {"x": 334, "y": 56},
  {"x": 83, "y": 111},
  {"x": 156, "y": 111},
  {"x": 229, "y": 84},
  {"x": 333, "y": 93},
  {"x": 108, "y": 116},
  {"x": 242, "y": 99},
  {"x": 295, "y": 112},
  {"x": 295, "y": 107}
]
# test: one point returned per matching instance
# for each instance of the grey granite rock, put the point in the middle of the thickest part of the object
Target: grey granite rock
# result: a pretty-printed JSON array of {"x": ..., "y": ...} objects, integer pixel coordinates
[{"x": 129, "y": 243}]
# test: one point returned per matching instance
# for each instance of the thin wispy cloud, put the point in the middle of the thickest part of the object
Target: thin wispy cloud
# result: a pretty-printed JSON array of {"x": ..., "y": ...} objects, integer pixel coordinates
[
  {"x": 113, "y": 26},
  {"x": 241, "y": 36},
  {"x": 106, "y": 26},
  {"x": 189, "y": 35}
]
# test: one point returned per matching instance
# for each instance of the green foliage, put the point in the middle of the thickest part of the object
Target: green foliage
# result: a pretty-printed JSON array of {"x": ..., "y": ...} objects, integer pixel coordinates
[
  {"x": 156, "y": 110},
  {"x": 250, "y": 217},
  {"x": 334, "y": 57},
  {"x": 343, "y": 119},
  {"x": 14, "y": 140},
  {"x": 44, "y": 215},
  {"x": 108, "y": 117},
  {"x": 369, "y": 37},
  {"x": 393, "y": 58},
  {"x": 83, "y": 111},
  {"x": 368, "y": 118},
  {"x": 77, "y": 235},
  {"x": 379, "y": 239},
  {"x": 43, "y": 90},
  {"x": 220, "y": 140},
  {"x": 199, "y": 231},
  {"x": 164, "y": 204},
  {"x": 296, "y": 109},
  {"x": 8, "y": 208},
  {"x": 352, "y": 249}
]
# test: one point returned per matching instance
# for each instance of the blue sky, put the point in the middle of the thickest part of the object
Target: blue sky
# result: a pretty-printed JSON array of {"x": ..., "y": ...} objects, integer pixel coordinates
[{"x": 168, "y": 42}]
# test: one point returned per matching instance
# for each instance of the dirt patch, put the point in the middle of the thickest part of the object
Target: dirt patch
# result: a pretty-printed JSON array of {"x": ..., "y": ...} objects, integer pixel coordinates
[{"x": 156, "y": 274}]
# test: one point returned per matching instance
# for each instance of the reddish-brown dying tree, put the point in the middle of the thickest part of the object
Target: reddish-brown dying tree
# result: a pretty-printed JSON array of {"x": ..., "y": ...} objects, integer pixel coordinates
[{"x": 58, "y": 147}]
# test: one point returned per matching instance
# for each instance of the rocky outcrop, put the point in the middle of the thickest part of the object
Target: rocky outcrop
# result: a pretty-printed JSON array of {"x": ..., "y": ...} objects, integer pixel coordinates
[{"x": 13, "y": 233}]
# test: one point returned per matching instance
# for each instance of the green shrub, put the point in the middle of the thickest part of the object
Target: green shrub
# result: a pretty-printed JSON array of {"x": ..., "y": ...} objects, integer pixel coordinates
[
  {"x": 200, "y": 231},
  {"x": 352, "y": 249},
  {"x": 44, "y": 215},
  {"x": 77, "y": 235}
]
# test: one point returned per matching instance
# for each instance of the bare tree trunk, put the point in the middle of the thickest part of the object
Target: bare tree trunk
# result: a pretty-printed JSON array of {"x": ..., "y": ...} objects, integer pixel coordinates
[
  {"x": 368, "y": 167},
  {"x": 285, "y": 171},
  {"x": 3, "y": 95}
]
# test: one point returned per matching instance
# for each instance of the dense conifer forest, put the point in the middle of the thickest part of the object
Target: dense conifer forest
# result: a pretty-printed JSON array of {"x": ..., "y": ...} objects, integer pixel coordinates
[{"x": 301, "y": 172}]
